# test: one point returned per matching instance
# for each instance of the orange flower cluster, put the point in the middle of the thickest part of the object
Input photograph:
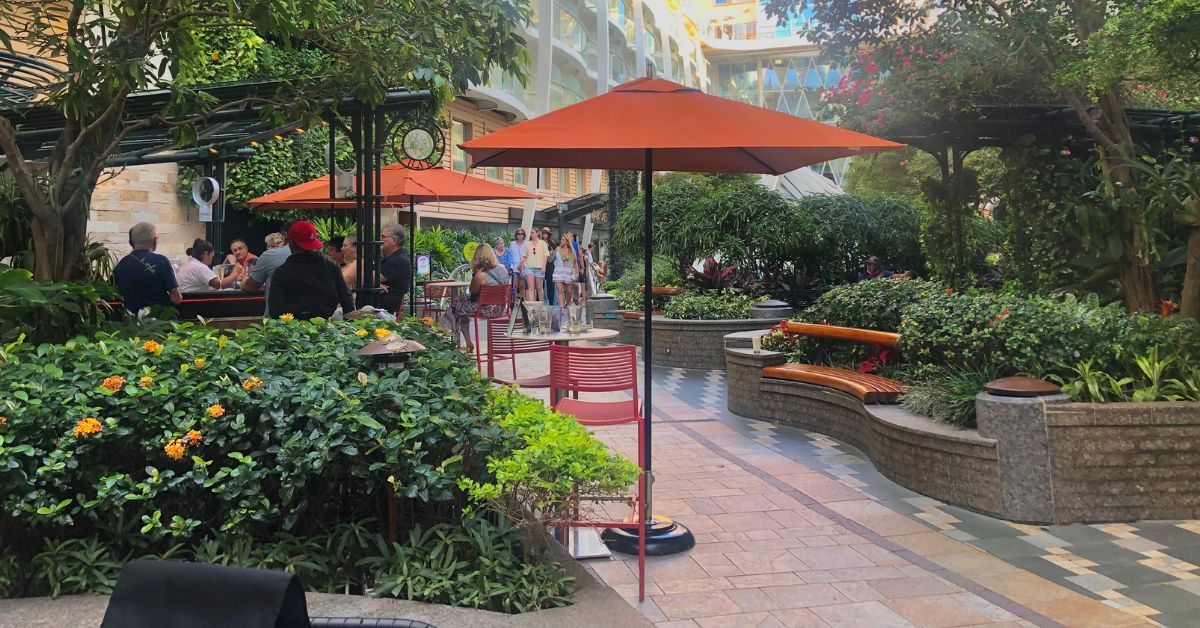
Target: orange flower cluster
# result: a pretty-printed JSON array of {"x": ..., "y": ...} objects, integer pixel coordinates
[
  {"x": 1166, "y": 307},
  {"x": 114, "y": 383},
  {"x": 194, "y": 437},
  {"x": 428, "y": 320},
  {"x": 216, "y": 411},
  {"x": 200, "y": 362},
  {"x": 175, "y": 449},
  {"x": 3, "y": 419},
  {"x": 1001, "y": 315},
  {"x": 287, "y": 318},
  {"x": 153, "y": 347},
  {"x": 145, "y": 381},
  {"x": 87, "y": 427},
  {"x": 251, "y": 384}
]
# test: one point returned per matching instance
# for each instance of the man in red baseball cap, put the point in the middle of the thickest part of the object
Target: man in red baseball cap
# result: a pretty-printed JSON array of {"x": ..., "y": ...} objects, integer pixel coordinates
[{"x": 308, "y": 284}]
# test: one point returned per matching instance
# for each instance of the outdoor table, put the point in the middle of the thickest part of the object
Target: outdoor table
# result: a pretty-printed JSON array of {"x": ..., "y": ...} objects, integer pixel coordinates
[{"x": 562, "y": 337}]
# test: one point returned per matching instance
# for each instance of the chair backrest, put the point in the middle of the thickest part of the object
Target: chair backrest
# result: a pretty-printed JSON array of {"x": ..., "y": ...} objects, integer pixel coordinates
[
  {"x": 436, "y": 291},
  {"x": 495, "y": 295},
  {"x": 500, "y": 344},
  {"x": 594, "y": 369}
]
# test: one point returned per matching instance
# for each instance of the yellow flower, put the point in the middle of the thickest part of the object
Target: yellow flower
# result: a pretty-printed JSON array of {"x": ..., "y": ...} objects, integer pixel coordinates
[
  {"x": 428, "y": 320},
  {"x": 87, "y": 427},
  {"x": 114, "y": 383},
  {"x": 287, "y": 318},
  {"x": 360, "y": 332},
  {"x": 381, "y": 333},
  {"x": 153, "y": 347},
  {"x": 174, "y": 449},
  {"x": 200, "y": 362},
  {"x": 216, "y": 411},
  {"x": 193, "y": 437},
  {"x": 145, "y": 381},
  {"x": 214, "y": 56},
  {"x": 222, "y": 341},
  {"x": 251, "y": 384},
  {"x": 183, "y": 368}
]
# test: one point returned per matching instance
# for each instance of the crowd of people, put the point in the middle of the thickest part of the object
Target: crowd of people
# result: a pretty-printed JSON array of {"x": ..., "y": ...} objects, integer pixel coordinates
[
  {"x": 293, "y": 272},
  {"x": 559, "y": 273}
]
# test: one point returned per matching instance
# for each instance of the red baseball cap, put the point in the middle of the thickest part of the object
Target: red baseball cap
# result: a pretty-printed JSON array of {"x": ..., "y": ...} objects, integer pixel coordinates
[{"x": 303, "y": 234}]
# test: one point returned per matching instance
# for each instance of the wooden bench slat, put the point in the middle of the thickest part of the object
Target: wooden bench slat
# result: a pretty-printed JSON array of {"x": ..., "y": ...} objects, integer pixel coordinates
[
  {"x": 851, "y": 334},
  {"x": 868, "y": 388}
]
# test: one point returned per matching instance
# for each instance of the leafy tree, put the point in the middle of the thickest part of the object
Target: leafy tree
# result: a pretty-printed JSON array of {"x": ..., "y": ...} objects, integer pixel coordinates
[
  {"x": 1085, "y": 53},
  {"x": 110, "y": 49}
]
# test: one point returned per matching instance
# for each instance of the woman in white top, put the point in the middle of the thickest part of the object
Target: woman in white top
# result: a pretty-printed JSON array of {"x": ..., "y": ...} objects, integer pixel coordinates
[{"x": 195, "y": 275}]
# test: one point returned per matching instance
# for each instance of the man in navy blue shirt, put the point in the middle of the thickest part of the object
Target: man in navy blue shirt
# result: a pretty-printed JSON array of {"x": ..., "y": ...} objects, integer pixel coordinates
[
  {"x": 144, "y": 277},
  {"x": 395, "y": 269}
]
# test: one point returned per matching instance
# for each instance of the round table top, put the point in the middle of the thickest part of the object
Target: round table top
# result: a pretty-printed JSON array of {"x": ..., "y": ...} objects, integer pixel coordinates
[{"x": 593, "y": 334}]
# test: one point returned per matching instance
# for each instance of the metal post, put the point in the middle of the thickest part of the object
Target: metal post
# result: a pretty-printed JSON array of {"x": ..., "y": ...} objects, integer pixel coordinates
[
  {"x": 648, "y": 309},
  {"x": 412, "y": 257}
]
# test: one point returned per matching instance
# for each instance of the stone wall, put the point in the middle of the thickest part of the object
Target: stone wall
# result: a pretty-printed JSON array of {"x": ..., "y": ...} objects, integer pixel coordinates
[
  {"x": 143, "y": 194},
  {"x": 1034, "y": 460},
  {"x": 1126, "y": 461},
  {"x": 685, "y": 343}
]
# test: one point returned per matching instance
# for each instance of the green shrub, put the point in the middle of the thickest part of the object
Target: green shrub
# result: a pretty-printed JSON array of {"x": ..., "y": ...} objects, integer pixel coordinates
[
  {"x": 477, "y": 565},
  {"x": 46, "y": 311},
  {"x": 947, "y": 394},
  {"x": 530, "y": 485},
  {"x": 709, "y": 306}
]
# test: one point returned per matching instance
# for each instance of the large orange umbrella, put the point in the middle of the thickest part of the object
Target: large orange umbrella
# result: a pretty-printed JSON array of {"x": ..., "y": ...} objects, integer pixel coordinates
[
  {"x": 654, "y": 124},
  {"x": 397, "y": 185}
]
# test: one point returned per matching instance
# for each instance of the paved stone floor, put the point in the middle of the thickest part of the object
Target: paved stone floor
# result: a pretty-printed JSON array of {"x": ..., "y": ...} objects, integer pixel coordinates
[{"x": 794, "y": 528}]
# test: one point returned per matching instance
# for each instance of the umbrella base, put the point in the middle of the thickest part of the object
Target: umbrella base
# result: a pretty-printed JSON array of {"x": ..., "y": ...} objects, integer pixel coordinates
[{"x": 663, "y": 536}]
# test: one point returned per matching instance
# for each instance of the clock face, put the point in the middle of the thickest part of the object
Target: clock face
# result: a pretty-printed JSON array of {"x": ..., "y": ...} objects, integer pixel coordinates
[{"x": 418, "y": 144}]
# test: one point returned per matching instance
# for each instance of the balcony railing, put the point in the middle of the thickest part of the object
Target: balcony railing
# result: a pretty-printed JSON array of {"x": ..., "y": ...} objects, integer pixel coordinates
[{"x": 569, "y": 30}]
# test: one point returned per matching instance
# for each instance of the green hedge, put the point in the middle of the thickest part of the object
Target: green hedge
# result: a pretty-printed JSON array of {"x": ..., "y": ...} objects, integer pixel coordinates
[
  {"x": 709, "y": 306},
  {"x": 254, "y": 447}
]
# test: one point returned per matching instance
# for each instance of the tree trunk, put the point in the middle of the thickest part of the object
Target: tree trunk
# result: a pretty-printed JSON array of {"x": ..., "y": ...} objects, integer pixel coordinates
[{"x": 1189, "y": 301}]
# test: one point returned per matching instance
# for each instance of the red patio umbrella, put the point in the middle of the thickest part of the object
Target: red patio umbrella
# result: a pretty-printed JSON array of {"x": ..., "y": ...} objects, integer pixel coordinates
[
  {"x": 653, "y": 124},
  {"x": 398, "y": 185}
]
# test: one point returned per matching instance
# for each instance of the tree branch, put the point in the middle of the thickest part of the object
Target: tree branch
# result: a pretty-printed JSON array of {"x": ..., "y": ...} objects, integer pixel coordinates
[
  {"x": 22, "y": 174},
  {"x": 114, "y": 109}
]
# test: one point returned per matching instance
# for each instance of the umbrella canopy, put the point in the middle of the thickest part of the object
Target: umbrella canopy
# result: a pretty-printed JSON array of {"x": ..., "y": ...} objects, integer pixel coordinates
[
  {"x": 398, "y": 185},
  {"x": 688, "y": 131}
]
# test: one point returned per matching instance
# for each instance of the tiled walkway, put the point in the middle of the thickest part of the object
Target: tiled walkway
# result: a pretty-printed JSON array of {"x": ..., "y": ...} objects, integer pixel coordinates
[{"x": 797, "y": 529}]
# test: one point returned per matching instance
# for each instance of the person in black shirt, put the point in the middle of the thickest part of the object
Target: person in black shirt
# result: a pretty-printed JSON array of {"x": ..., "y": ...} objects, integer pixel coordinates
[
  {"x": 308, "y": 284},
  {"x": 395, "y": 269},
  {"x": 144, "y": 277}
]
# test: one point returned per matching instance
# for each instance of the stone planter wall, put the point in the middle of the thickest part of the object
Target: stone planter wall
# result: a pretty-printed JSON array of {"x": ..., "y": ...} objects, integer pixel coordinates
[
  {"x": 1035, "y": 460},
  {"x": 684, "y": 343}
]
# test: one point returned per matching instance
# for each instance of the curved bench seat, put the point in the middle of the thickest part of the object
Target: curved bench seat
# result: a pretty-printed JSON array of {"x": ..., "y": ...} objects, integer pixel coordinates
[{"x": 866, "y": 387}]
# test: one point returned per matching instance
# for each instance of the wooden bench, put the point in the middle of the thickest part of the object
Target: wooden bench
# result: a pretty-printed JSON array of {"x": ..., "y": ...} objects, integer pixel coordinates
[{"x": 866, "y": 387}]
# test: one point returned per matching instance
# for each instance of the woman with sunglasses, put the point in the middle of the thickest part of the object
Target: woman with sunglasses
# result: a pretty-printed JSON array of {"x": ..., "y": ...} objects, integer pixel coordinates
[{"x": 533, "y": 267}]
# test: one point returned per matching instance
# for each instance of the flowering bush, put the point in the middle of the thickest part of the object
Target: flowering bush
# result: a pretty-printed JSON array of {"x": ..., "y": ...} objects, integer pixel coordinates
[{"x": 279, "y": 430}]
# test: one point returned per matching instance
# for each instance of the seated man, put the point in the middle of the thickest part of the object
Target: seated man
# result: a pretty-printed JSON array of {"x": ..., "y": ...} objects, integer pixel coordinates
[
  {"x": 308, "y": 284},
  {"x": 875, "y": 270},
  {"x": 395, "y": 268},
  {"x": 260, "y": 275},
  {"x": 144, "y": 277}
]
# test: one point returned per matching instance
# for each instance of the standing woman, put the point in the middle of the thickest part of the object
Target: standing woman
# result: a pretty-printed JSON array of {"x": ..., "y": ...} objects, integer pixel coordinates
[
  {"x": 566, "y": 271},
  {"x": 533, "y": 267}
]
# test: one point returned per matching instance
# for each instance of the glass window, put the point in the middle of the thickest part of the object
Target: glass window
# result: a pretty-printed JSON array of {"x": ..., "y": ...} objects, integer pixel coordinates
[
  {"x": 459, "y": 133},
  {"x": 581, "y": 181},
  {"x": 520, "y": 177},
  {"x": 492, "y": 172},
  {"x": 543, "y": 181},
  {"x": 564, "y": 180}
]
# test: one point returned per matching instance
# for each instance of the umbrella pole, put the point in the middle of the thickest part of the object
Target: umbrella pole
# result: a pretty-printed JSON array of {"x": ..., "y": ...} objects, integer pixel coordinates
[
  {"x": 412, "y": 259},
  {"x": 663, "y": 535}
]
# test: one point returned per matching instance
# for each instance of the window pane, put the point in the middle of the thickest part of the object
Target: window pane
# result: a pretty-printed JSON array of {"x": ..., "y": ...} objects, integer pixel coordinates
[
  {"x": 520, "y": 177},
  {"x": 581, "y": 181},
  {"x": 458, "y": 135},
  {"x": 564, "y": 180},
  {"x": 493, "y": 172},
  {"x": 543, "y": 181}
]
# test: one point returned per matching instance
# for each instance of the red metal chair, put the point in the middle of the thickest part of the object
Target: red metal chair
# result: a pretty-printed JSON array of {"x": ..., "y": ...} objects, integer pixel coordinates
[
  {"x": 436, "y": 298},
  {"x": 603, "y": 369},
  {"x": 500, "y": 347},
  {"x": 489, "y": 298}
]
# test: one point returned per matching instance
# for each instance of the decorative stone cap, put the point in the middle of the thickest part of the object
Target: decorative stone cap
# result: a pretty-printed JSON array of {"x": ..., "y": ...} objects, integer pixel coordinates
[{"x": 1021, "y": 387}]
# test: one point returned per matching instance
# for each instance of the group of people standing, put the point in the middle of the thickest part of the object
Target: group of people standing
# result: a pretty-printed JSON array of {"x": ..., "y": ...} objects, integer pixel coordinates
[{"x": 557, "y": 274}]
